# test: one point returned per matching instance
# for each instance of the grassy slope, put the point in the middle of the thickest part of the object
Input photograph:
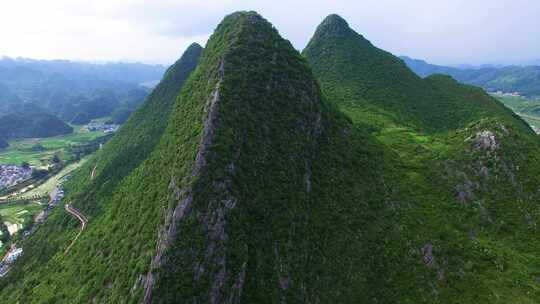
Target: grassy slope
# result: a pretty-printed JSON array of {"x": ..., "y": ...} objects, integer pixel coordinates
[{"x": 485, "y": 249}]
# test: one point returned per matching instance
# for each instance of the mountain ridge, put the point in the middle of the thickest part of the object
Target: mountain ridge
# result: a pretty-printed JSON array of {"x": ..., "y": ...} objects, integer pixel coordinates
[{"x": 522, "y": 79}]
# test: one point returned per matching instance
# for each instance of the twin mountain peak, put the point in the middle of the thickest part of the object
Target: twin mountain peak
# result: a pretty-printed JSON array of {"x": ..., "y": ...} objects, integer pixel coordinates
[{"x": 257, "y": 174}]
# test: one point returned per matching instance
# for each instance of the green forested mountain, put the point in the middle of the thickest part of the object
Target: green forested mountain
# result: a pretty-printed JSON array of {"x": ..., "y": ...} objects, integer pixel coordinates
[
  {"x": 338, "y": 176},
  {"x": 522, "y": 79},
  {"x": 463, "y": 218},
  {"x": 359, "y": 73}
]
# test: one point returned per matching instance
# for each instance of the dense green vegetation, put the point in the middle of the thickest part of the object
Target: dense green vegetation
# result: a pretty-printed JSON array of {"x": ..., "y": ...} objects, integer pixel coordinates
[
  {"x": 525, "y": 80},
  {"x": 4, "y": 234},
  {"x": 267, "y": 176},
  {"x": 462, "y": 223},
  {"x": 365, "y": 76},
  {"x": 104, "y": 198},
  {"x": 120, "y": 116}
]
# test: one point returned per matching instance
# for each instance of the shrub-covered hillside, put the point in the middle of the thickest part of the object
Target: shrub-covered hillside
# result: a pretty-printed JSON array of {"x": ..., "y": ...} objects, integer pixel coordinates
[
  {"x": 357, "y": 72},
  {"x": 468, "y": 197}
]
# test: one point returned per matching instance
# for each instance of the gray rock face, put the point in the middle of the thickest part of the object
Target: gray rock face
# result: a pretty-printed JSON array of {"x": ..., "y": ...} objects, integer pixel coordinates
[
  {"x": 429, "y": 258},
  {"x": 486, "y": 140}
]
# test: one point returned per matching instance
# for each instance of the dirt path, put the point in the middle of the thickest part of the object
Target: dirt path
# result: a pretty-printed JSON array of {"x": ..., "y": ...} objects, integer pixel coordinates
[
  {"x": 93, "y": 172},
  {"x": 81, "y": 219}
]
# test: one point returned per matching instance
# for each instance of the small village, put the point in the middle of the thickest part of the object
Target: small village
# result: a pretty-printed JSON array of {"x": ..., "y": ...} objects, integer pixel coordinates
[
  {"x": 506, "y": 94},
  {"x": 101, "y": 127},
  {"x": 11, "y": 175}
]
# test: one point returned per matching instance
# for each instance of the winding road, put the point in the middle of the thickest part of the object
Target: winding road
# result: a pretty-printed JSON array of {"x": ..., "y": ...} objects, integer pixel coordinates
[{"x": 76, "y": 213}]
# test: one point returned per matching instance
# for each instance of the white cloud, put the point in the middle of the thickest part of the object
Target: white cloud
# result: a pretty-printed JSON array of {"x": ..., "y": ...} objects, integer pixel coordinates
[{"x": 445, "y": 31}]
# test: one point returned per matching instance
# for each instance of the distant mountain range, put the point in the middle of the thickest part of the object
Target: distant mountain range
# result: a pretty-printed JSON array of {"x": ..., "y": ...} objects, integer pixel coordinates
[
  {"x": 75, "y": 70},
  {"x": 522, "y": 79},
  {"x": 74, "y": 92}
]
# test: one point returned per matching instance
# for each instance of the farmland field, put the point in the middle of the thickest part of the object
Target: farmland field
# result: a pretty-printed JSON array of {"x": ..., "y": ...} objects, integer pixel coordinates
[
  {"x": 44, "y": 188},
  {"x": 16, "y": 216},
  {"x": 528, "y": 109},
  {"x": 39, "y": 151}
]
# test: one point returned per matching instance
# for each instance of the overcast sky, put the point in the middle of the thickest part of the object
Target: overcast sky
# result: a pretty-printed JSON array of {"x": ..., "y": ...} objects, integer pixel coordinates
[{"x": 157, "y": 31}]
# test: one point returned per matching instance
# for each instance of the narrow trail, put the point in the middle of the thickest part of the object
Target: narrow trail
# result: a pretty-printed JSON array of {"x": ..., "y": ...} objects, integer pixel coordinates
[
  {"x": 93, "y": 173},
  {"x": 76, "y": 213}
]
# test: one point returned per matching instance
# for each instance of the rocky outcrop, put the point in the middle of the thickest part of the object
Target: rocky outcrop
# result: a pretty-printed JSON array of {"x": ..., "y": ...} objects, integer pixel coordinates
[{"x": 486, "y": 140}]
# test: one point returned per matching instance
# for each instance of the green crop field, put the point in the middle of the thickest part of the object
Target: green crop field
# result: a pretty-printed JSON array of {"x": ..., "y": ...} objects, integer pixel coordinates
[
  {"x": 37, "y": 151},
  {"x": 528, "y": 109},
  {"x": 19, "y": 215}
]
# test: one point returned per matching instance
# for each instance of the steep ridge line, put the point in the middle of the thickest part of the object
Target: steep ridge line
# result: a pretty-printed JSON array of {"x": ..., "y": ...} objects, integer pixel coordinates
[
  {"x": 184, "y": 205},
  {"x": 76, "y": 213}
]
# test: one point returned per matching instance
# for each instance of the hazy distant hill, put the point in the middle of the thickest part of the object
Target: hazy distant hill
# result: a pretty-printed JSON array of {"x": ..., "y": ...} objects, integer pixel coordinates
[
  {"x": 522, "y": 79},
  {"x": 123, "y": 72},
  {"x": 19, "y": 119},
  {"x": 30, "y": 121},
  {"x": 75, "y": 90}
]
